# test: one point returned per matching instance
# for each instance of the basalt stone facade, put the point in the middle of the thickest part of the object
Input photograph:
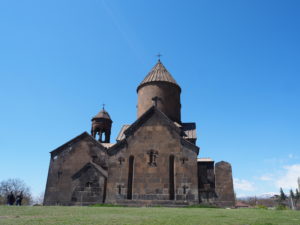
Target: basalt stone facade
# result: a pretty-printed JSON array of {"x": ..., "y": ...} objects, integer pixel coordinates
[
  {"x": 157, "y": 170},
  {"x": 153, "y": 162},
  {"x": 206, "y": 181},
  {"x": 77, "y": 173},
  {"x": 224, "y": 184}
]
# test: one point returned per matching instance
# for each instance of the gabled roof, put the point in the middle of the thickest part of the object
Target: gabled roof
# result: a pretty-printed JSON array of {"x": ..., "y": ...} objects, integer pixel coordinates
[
  {"x": 131, "y": 129},
  {"x": 117, "y": 147},
  {"x": 147, "y": 115},
  {"x": 121, "y": 135},
  {"x": 158, "y": 73},
  {"x": 75, "y": 140},
  {"x": 86, "y": 167},
  {"x": 189, "y": 130}
]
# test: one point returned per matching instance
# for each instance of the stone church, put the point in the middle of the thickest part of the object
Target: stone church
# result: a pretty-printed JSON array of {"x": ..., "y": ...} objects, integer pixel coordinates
[{"x": 154, "y": 160}]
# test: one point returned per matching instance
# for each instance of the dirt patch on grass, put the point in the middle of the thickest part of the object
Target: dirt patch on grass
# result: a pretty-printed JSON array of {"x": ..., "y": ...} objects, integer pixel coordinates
[
  {"x": 14, "y": 217},
  {"x": 8, "y": 217}
]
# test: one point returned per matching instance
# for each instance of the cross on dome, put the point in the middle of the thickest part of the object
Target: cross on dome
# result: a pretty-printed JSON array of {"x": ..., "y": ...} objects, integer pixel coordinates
[{"x": 158, "y": 56}]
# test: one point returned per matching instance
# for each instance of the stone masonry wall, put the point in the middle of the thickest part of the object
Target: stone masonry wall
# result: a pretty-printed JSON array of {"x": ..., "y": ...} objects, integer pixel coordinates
[
  {"x": 206, "y": 185},
  {"x": 152, "y": 181},
  {"x": 64, "y": 165},
  {"x": 224, "y": 184}
]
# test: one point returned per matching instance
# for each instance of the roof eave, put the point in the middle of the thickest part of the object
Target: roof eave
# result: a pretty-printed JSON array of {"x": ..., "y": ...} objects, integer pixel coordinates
[{"x": 157, "y": 82}]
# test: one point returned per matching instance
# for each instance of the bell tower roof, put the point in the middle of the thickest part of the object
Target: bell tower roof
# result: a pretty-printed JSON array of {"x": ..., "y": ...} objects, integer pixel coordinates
[
  {"x": 158, "y": 73},
  {"x": 103, "y": 114}
]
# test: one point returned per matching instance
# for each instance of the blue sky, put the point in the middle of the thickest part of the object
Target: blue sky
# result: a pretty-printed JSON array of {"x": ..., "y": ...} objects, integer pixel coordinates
[{"x": 237, "y": 63}]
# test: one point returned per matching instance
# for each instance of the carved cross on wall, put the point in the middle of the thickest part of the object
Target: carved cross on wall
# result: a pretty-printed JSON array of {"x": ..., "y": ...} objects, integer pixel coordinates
[
  {"x": 152, "y": 158},
  {"x": 184, "y": 189},
  {"x": 59, "y": 173},
  {"x": 120, "y": 186},
  {"x": 155, "y": 100},
  {"x": 183, "y": 160},
  {"x": 69, "y": 147},
  {"x": 121, "y": 160},
  {"x": 88, "y": 184}
]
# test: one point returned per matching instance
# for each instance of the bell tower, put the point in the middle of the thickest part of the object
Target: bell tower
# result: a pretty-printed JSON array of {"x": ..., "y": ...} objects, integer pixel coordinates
[{"x": 101, "y": 126}]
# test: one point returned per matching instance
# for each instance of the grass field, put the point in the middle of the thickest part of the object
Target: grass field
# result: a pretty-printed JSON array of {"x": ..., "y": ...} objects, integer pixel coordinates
[{"x": 31, "y": 215}]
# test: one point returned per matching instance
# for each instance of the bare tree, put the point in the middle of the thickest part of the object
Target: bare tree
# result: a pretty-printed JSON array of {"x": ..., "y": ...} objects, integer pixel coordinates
[
  {"x": 297, "y": 198},
  {"x": 16, "y": 186},
  {"x": 282, "y": 196},
  {"x": 292, "y": 199},
  {"x": 39, "y": 200}
]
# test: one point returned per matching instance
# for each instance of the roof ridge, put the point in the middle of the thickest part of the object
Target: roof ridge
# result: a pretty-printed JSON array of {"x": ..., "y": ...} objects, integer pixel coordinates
[
  {"x": 73, "y": 140},
  {"x": 145, "y": 116}
]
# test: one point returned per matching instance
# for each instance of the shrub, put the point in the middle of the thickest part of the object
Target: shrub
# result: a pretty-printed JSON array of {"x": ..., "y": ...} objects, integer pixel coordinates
[
  {"x": 202, "y": 206},
  {"x": 105, "y": 205},
  {"x": 281, "y": 207},
  {"x": 261, "y": 207}
]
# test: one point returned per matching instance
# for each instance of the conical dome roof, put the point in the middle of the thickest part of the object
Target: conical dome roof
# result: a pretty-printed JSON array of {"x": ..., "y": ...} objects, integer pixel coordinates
[
  {"x": 102, "y": 115},
  {"x": 158, "y": 73}
]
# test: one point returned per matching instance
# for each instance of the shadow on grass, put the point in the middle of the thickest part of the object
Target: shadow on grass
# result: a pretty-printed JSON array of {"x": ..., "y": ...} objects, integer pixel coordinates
[
  {"x": 106, "y": 205},
  {"x": 156, "y": 206},
  {"x": 203, "y": 206}
]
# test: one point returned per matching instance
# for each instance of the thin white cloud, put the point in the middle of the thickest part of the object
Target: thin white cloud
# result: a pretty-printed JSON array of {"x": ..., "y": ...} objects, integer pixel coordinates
[
  {"x": 276, "y": 160},
  {"x": 292, "y": 156},
  {"x": 243, "y": 185},
  {"x": 266, "y": 177},
  {"x": 284, "y": 160},
  {"x": 288, "y": 179}
]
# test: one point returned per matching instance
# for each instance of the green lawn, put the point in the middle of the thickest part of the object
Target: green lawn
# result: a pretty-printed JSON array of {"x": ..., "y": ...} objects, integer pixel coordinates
[{"x": 31, "y": 215}]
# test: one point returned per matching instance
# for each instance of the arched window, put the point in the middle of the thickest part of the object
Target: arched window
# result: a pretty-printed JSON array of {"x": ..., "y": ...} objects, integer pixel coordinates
[
  {"x": 171, "y": 178},
  {"x": 130, "y": 177}
]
